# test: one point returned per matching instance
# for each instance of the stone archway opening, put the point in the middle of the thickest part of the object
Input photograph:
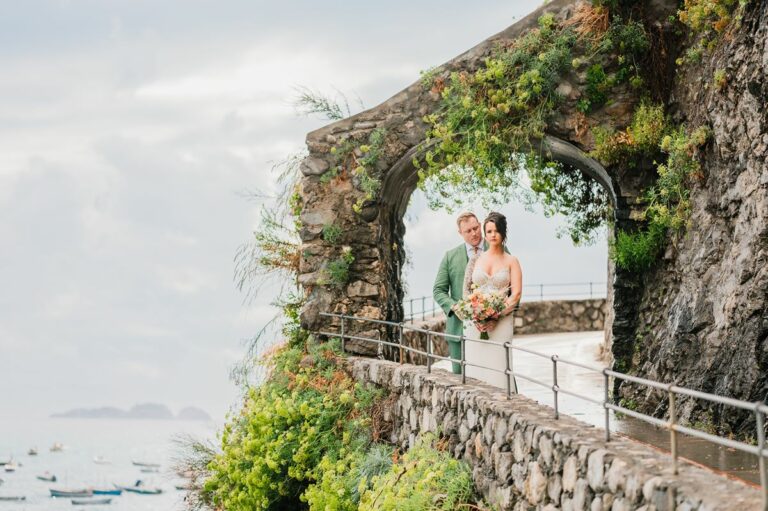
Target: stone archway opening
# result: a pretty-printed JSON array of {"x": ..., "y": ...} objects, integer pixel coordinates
[{"x": 412, "y": 285}]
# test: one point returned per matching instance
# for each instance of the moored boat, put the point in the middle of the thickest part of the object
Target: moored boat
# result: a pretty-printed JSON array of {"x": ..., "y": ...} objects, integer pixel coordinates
[
  {"x": 146, "y": 464},
  {"x": 90, "y": 502},
  {"x": 11, "y": 466},
  {"x": 51, "y": 478},
  {"x": 12, "y": 498},
  {"x": 141, "y": 489},
  {"x": 57, "y": 447},
  {"x": 32, "y": 451},
  {"x": 71, "y": 493},
  {"x": 107, "y": 491},
  {"x": 145, "y": 491}
]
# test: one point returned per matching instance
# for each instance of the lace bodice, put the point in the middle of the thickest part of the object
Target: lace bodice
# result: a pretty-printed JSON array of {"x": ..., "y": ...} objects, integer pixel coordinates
[{"x": 496, "y": 283}]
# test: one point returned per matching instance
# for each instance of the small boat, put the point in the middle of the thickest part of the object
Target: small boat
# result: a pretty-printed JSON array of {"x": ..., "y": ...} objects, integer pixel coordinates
[
  {"x": 32, "y": 451},
  {"x": 145, "y": 491},
  {"x": 145, "y": 464},
  {"x": 72, "y": 493},
  {"x": 185, "y": 486},
  {"x": 149, "y": 470},
  {"x": 12, "y": 498},
  {"x": 11, "y": 466},
  {"x": 100, "y": 460},
  {"x": 57, "y": 447},
  {"x": 51, "y": 478},
  {"x": 90, "y": 502},
  {"x": 138, "y": 487},
  {"x": 107, "y": 491}
]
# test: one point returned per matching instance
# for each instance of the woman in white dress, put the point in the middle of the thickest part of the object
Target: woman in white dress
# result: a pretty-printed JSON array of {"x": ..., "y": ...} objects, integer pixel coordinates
[{"x": 493, "y": 271}]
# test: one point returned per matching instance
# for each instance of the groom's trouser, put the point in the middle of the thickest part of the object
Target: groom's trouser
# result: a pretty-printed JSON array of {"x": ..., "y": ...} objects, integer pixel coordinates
[{"x": 454, "y": 350}]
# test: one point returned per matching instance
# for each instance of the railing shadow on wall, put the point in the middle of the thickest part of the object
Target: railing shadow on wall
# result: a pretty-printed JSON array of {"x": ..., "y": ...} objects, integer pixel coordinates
[
  {"x": 758, "y": 408},
  {"x": 425, "y": 306}
]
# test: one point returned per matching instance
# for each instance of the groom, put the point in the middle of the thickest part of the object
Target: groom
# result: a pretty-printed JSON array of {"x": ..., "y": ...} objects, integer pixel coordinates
[{"x": 449, "y": 282}]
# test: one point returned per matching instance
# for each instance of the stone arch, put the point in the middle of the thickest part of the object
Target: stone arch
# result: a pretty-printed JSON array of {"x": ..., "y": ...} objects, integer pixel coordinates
[{"x": 375, "y": 233}]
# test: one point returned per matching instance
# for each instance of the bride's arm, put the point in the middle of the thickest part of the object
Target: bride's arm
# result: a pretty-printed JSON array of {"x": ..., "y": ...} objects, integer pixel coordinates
[{"x": 515, "y": 285}]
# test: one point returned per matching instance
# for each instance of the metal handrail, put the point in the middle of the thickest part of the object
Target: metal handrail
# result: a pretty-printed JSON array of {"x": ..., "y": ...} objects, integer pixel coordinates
[
  {"x": 760, "y": 409},
  {"x": 430, "y": 308}
]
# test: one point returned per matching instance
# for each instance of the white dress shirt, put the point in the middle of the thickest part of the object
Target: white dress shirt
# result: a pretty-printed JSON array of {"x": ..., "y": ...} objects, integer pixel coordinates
[{"x": 471, "y": 249}]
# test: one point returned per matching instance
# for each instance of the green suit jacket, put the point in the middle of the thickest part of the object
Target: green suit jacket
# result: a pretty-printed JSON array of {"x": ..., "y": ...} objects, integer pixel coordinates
[{"x": 448, "y": 287}]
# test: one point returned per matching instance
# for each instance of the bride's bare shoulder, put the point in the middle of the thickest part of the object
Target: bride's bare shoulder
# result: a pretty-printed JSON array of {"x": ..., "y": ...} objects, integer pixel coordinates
[{"x": 511, "y": 260}]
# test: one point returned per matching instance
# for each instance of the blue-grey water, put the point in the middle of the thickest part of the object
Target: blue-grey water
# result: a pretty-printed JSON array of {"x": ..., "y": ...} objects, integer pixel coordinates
[{"x": 118, "y": 441}]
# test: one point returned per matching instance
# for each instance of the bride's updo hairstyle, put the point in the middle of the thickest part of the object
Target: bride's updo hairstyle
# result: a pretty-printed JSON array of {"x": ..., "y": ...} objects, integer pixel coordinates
[{"x": 500, "y": 221}]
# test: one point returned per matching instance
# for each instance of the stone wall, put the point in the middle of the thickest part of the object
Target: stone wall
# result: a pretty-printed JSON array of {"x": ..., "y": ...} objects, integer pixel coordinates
[
  {"x": 524, "y": 459},
  {"x": 561, "y": 316}
]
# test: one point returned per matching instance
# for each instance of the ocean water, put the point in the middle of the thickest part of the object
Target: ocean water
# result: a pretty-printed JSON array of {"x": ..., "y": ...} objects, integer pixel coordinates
[{"x": 118, "y": 441}]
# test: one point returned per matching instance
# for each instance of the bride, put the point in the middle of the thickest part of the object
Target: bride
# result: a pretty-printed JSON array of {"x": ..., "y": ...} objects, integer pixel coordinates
[{"x": 493, "y": 271}]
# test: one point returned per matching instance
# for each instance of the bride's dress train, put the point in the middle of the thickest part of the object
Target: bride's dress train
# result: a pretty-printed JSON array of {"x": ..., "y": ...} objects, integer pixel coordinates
[{"x": 490, "y": 353}]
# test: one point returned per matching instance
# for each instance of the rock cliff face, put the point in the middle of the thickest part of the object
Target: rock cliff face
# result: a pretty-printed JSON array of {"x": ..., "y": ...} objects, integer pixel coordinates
[{"x": 703, "y": 315}]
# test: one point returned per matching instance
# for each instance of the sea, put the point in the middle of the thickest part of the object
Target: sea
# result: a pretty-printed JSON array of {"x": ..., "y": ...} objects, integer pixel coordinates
[{"x": 118, "y": 442}]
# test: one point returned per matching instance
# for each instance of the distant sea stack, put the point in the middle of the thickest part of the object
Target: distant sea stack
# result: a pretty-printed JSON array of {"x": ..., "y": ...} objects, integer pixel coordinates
[{"x": 151, "y": 411}]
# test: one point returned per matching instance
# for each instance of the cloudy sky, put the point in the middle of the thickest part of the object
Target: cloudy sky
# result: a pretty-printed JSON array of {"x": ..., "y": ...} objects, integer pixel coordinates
[{"x": 130, "y": 131}]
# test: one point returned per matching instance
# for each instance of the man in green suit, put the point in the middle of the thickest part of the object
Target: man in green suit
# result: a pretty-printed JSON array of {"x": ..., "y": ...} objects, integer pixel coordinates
[{"x": 449, "y": 282}]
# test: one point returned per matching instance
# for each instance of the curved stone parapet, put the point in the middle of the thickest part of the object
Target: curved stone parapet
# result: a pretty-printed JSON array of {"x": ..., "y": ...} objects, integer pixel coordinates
[{"x": 524, "y": 459}]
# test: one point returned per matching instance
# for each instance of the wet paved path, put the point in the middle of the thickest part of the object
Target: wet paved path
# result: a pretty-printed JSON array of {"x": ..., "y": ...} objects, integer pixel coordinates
[{"x": 584, "y": 347}]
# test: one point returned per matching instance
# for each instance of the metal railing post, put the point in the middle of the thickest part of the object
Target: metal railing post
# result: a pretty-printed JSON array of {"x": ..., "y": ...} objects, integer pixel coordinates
[
  {"x": 429, "y": 352},
  {"x": 590, "y": 290},
  {"x": 400, "y": 341},
  {"x": 672, "y": 432},
  {"x": 342, "y": 334},
  {"x": 507, "y": 346},
  {"x": 463, "y": 360},
  {"x": 554, "y": 384},
  {"x": 541, "y": 291},
  {"x": 423, "y": 308},
  {"x": 379, "y": 345},
  {"x": 760, "y": 420},
  {"x": 605, "y": 405},
  {"x": 410, "y": 302},
  {"x": 434, "y": 307}
]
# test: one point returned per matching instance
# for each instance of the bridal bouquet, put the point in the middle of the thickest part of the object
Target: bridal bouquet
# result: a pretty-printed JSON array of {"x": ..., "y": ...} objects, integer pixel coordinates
[{"x": 480, "y": 308}]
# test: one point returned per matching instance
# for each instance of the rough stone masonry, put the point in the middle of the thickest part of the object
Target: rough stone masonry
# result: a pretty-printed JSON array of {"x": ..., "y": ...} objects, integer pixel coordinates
[{"x": 524, "y": 459}]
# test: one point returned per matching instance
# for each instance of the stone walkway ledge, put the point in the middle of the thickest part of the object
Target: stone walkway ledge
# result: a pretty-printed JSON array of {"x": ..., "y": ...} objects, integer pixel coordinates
[{"x": 525, "y": 459}]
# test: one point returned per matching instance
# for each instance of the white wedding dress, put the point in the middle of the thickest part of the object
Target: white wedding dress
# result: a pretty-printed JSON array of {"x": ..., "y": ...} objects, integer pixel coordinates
[{"x": 490, "y": 353}]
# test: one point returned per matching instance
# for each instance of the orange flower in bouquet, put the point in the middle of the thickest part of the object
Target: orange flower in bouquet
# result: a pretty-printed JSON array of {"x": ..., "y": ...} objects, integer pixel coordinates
[{"x": 480, "y": 308}]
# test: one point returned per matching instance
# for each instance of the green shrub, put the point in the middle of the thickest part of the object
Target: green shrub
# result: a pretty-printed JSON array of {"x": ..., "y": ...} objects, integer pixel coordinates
[
  {"x": 641, "y": 138},
  {"x": 668, "y": 201},
  {"x": 639, "y": 250},
  {"x": 308, "y": 411},
  {"x": 344, "y": 481},
  {"x": 424, "y": 479},
  {"x": 597, "y": 86},
  {"x": 720, "y": 79},
  {"x": 332, "y": 233},
  {"x": 337, "y": 272}
]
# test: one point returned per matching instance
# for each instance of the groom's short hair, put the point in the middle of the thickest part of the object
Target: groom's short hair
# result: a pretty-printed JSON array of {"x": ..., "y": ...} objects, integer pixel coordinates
[{"x": 464, "y": 217}]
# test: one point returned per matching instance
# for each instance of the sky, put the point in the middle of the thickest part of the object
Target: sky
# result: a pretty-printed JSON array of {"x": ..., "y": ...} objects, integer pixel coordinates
[{"x": 131, "y": 132}]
